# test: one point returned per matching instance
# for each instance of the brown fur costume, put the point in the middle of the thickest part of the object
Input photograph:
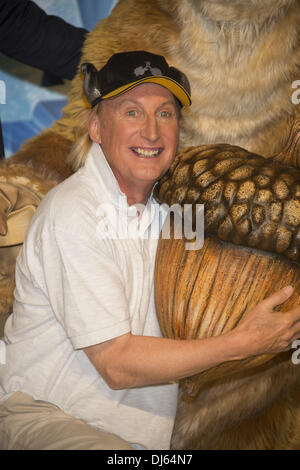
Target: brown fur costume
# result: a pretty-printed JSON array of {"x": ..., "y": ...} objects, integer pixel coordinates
[{"x": 241, "y": 57}]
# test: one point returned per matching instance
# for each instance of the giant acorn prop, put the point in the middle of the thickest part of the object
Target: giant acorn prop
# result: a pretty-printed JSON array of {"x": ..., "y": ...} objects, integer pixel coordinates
[{"x": 251, "y": 249}]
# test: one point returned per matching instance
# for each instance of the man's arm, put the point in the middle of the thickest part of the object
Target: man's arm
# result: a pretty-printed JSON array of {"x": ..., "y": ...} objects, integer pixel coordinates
[
  {"x": 28, "y": 34},
  {"x": 133, "y": 361}
]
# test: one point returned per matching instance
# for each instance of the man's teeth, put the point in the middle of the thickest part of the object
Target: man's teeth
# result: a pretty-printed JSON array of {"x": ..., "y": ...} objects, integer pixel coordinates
[{"x": 145, "y": 152}]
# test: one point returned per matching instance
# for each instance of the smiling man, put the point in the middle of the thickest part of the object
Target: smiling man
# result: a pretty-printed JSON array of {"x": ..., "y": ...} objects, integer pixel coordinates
[
  {"x": 86, "y": 366},
  {"x": 139, "y": 137}
]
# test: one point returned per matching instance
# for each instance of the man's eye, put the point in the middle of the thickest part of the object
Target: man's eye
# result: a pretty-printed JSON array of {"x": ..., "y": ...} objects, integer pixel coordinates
[
  {"x": 165, "y": 114},
  {"x": 132, "y": 113}
]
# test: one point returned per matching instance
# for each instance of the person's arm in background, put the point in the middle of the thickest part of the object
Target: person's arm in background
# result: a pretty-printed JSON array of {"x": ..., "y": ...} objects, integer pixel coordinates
[{"x": 31, "y": 36}]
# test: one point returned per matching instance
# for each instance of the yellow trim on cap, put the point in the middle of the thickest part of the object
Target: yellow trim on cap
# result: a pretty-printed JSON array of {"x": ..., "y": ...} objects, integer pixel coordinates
[{"x": 166, "y": 82}]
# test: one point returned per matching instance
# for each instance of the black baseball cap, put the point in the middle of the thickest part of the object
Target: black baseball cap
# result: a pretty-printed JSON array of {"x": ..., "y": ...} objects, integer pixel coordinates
[{"x": 126, "y": 70}]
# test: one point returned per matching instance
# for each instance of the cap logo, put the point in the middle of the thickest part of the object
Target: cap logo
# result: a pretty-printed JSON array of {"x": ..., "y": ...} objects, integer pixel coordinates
[
  {"x": 142, "y": 70},
  {"x": 125, "y": 70}
]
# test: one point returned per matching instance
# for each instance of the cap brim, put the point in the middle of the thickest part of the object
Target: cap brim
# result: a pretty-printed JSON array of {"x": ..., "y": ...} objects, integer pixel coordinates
[{"x": 174, "y": 87}]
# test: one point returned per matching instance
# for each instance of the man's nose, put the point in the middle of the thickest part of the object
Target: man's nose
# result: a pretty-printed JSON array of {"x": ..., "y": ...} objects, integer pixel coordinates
[{"x": 150, "y": 129}]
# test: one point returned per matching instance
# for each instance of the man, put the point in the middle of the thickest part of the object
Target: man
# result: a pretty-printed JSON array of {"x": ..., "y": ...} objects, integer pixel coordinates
[{"x": 86, "y": 367}]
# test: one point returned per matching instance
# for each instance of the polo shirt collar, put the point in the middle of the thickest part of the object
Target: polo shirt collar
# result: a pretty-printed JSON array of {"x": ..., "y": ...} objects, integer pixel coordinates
[
  {"x": 106, "y": 182},
  {"x": 104, "y": 175}
]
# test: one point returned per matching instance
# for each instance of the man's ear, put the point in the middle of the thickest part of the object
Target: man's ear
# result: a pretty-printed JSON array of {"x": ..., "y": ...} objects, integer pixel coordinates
[{"x": 94, "y": 130}]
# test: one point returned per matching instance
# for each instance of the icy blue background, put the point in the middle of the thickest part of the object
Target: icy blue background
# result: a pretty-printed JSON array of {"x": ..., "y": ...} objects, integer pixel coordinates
[{"x": 29, "y": 100}]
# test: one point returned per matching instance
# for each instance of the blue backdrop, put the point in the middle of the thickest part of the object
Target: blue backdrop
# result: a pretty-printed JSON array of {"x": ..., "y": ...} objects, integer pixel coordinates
[{"x": 30, "y": 100}]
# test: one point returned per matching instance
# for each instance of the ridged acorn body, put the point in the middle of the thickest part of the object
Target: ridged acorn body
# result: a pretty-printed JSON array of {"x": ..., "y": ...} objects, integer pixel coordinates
[
  {"x": 251, "y": 249},
  {"x": 249, "y": 200}
]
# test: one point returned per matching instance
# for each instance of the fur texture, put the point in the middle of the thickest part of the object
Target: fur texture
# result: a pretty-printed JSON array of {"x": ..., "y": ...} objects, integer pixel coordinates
[
  {"x": 257, "y": 409},
  {"x": 241, "y": 57},
  {"x": 241, "y": 68}
]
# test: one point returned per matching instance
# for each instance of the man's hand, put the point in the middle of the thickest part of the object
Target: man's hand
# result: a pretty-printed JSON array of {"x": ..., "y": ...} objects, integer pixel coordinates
[{"x": 265, "y": 330}]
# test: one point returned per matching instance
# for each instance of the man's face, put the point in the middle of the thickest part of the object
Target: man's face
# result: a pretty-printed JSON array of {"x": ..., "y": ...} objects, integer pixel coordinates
[{"x": 138, "y": 132}]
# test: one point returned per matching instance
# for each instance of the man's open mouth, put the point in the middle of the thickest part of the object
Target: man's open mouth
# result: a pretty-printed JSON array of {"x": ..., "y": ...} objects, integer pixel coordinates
[{"x": 147, "y": 153}]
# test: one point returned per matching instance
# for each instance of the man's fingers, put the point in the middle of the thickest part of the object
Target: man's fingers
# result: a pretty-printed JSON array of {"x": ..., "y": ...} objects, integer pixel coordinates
[
  {"x": 294, "y": 314},
  {"x": 278, "y": 297}
]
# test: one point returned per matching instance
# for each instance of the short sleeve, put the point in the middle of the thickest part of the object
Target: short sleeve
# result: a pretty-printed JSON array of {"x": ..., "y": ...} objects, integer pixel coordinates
[{"x": 85, "y": 287}]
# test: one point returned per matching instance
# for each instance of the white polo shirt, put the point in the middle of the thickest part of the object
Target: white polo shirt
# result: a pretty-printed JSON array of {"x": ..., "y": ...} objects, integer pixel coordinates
[{"x": 85, "y": 275}]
